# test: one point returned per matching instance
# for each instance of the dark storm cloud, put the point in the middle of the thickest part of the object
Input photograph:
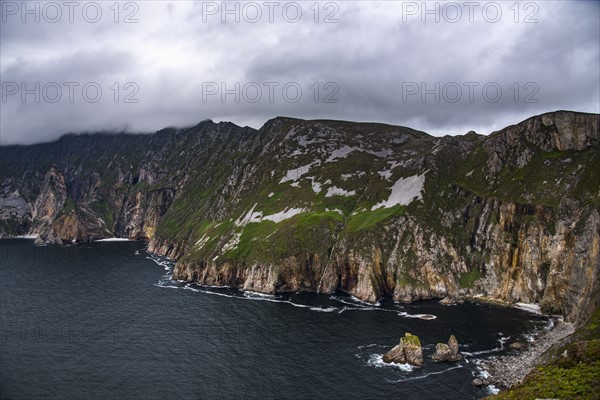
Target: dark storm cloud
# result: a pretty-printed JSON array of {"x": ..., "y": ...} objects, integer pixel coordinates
[{"x": 169, "y": 68}]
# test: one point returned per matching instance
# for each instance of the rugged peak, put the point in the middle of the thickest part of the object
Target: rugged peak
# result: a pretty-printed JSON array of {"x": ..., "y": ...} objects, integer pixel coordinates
[
  {"x": 370, "y": 209},
  {"x": 554, "y": 131}
]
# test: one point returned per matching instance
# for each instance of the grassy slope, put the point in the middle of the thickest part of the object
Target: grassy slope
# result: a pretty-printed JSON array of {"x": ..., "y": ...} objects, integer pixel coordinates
[
  {"x": 311, "y": 232},
  {"x": 454, "y": 182},
  {"x": 544, "y": 181},
  {"x": 571, "y": 375}
]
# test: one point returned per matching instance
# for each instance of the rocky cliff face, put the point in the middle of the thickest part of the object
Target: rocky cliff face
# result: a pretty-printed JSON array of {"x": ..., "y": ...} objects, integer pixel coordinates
[{"x": 370, "y": 209}]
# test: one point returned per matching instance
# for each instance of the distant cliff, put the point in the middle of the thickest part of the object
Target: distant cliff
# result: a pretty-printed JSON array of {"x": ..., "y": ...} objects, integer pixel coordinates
[{"x": 370, "y": 209}]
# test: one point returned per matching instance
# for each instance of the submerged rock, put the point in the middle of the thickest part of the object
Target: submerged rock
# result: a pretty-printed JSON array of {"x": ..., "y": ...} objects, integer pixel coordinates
[
  {"x": 446, "y": 352},
  {"x": 518, "y": 346},
  {"x": 479, "y": 382},
  {"x": 408, "y": 351}
]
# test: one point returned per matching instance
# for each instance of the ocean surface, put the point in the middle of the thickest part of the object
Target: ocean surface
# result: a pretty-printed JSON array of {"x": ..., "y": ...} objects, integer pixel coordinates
[{"x": 104, "y": 321}]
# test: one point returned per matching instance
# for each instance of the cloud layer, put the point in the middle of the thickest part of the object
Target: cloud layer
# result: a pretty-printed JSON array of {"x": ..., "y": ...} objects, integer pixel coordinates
[{"x": 444, "y": 68}]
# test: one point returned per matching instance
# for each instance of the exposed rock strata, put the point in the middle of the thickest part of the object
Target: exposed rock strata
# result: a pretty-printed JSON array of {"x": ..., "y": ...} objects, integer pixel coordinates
[
  {"x": 446, "y": 352},
  {"x": 511, "y": 217},
  {"x": 408, "y": 351}
]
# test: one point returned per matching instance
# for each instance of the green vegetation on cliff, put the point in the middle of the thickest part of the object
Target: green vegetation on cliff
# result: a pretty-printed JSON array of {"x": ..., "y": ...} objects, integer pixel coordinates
[
  {"x": 295, "y": 200},
  {"x": 573, "y": 371}
]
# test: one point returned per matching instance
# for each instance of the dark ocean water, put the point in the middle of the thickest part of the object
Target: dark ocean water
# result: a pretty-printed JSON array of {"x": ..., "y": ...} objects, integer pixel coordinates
[{"x": 103, "y": 321}]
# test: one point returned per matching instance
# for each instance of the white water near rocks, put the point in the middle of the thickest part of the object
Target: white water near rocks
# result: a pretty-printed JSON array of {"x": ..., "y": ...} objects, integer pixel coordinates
[{"x": 100, "y": 323}]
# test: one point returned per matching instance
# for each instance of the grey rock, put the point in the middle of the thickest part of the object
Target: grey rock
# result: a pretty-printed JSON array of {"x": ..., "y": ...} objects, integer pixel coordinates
[
  {"x": 478, "y": 382},
  {"x": 409, "y": 351},
  {"x": 175, "y": 186},
  {"x": 518, "y": 346},
  {"x": 447, "y": 352}
]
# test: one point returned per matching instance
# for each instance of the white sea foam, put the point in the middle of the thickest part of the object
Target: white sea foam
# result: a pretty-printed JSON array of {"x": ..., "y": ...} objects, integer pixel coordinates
[
  {"x": 492, "y": 389},
  {"x": 420, "y": 316},
  {"x": 484, "y": 374},
  {"x": 321, "y": 309},
  {"x": 427, "y": 375},
  {"x": 354, "y": 301},
  {"x": 247, "y": 295},
  {"x": 502, "y": 340},
  {"x": 376, "y": 360},
  {"x": 164, "y": 262},
  {"x": 167, "y": 286},
  {"x": 530, "y": 337},
  {"x": 114, "y": 240},
  {"x": 368, "y": 345},
  {"x": 250, "y": 293}
]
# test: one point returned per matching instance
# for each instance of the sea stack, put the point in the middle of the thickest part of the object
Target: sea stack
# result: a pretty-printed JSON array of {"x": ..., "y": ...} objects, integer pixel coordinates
[
  {"x": 446, "y": 352},
  {"x": 408, "y": 351}
]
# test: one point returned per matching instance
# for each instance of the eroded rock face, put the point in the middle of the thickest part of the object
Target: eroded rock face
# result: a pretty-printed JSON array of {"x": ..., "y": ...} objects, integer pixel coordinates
[
  {"x": 511, "y": 217},
  {"x": 453, "y": 344},
  {"x": 446, "y": 352},
  {"x": 408, "y": 351},
  {"x": 449, "y": 301},
  {"x": 519, "y": 263}
]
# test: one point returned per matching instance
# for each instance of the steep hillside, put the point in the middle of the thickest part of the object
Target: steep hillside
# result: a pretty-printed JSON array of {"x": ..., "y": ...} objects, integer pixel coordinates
[
  {"x": 570, "y": 370},
  {"x": 370, "y": 209}
]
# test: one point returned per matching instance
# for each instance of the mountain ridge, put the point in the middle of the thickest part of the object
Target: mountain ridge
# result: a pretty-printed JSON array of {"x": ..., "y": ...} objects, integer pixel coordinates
[
  {"x": 208, "y": 120},
  {"x": 371, "y": 209}
]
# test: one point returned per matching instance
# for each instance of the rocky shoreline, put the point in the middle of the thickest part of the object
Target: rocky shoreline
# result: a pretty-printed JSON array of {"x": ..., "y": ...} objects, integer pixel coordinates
[{"x": 510, "y": 370}]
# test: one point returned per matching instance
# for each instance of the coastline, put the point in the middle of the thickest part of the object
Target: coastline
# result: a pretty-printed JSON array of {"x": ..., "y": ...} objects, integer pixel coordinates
[
  {"x": 33, "y": 237},
  {"x": 509, "y": 370},
  {"x": 503, "y": 372}
]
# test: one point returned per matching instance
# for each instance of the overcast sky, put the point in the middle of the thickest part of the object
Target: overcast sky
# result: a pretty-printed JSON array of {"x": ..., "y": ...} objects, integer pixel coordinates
[{"x": 363, "y": 61}]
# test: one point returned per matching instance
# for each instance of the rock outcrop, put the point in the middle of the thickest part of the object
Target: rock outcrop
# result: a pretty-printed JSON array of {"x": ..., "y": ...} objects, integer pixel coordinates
[
  {"x": 446, "y": 352},
  {"x": 518, "y": 346},
  {"x": 408, "y": 351},
  {"x": 369, "y": 209}
]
